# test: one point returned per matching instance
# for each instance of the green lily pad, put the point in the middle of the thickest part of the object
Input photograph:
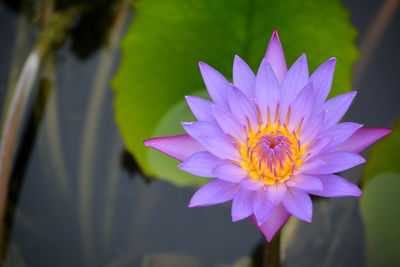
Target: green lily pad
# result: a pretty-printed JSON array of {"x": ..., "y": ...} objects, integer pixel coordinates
[
  {"x": 167, "y": 38},
  {"x": 384, "y": 156},
  {"x": 381, "y": 212}
]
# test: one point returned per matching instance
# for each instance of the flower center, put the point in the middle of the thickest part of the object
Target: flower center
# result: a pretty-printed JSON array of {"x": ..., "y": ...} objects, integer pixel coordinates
[{"x": 271, "y": 153}]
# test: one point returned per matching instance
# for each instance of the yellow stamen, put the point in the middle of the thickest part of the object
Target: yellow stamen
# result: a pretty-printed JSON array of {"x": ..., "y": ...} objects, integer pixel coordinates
[{"x": 271, "y": 152}]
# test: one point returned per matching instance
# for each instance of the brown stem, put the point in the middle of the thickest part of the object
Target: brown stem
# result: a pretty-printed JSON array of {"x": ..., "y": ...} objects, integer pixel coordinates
[
  {"x": 271, "y": 252},
  {"x": 92, "y": 119},
  {"x": 53, "y": 35},
  {"x": 373, "y": 35}
]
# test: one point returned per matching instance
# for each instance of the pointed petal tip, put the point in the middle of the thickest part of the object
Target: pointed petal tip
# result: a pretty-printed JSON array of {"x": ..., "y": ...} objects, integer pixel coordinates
[
  {"x": 333, "y": 59},
  {"x": 185, "y": 123},
  {"x": 275, "y": 33},
  {"x": 354, "y": 93},
  {"x": 180, "y": 166},
  {"x": 358, "y": 192},
  {"x": 363, "y": 138},
  {"x": 203, "y": 66},
  {"x": 385, "y": 131},
  {"x": 147, "y": 142},
  {"x": 276, "y": 56},
  {"x": 234, "y": 219}
]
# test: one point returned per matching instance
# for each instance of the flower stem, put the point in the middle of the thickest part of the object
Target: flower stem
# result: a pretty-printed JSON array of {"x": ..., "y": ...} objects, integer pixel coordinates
[
  {"x": 50, "y": 37},
  {"x": 271, "y": 252}
]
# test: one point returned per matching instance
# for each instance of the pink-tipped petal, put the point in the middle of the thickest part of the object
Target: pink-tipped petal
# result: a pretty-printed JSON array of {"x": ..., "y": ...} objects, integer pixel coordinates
[
  {"x": 322, "y": 80},
  {"x": 211, "y": 137},
  {"x": 305, "y": 182},
  {"x": 217, "y": 86},
  {"x": 298, "y": 203},
  {"x": 267, "y": 90},
  {"x": 263, "y": 208},
  {"x": 295, "y": 80},
  {"x": 215, "y": 192},
  {"x": 243, "y": 77},
  {"x": 273, "y": 223},
  {"x": 276, "y": 192},
  {"x": 242, "y": 205},
  {"x": 229, "y": 172},
  {"x": 201, "y": 108},
  {"x": 179, "y": 147},
  {"x": 336, "y": 186},
  {"x": 335, "y": 108},
  {"x": 336, "y": 161},
  {"x": 201, "y": 164},
  {"x": 276, "y": 57},
  {"x": 340, "y": 133},
  {"x": 363, "y": 138},
  {"x": 242, "y": 108},
  {"x": 229, "y": 124}
]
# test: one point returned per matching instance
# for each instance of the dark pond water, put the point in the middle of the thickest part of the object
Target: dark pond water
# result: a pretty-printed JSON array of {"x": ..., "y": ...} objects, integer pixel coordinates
[{"x": 78, "y": 199}]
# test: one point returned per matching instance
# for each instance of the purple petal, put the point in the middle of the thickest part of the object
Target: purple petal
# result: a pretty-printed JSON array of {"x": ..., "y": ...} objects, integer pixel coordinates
[
  {"x": 210, "y": 136},
  {"x": 243, "y": 77},
  {"x": 318, "y": 147},
  {"x": 252, "y": 184},
  {"x": 276, "y": 57},
  {"x": 242, "y": 205},
  {"x": 217, "y": 86},
  {"x": 179, "y": 147},
  {"x": 215, "y": 192},
  {"x": 363, "y": 138},
  {"x": 305, "y": 182},
  {"x": 298, "y": 203},
  {"x": 273, "y": 223},
  {"x": 336, "y": 186},
  {"x": 311, "y": 129},
  {"x": 201, "y": 164},
  {"x": 302, "y": 107},
  {"x": 263, "y": 208},
  {"x": 295, "y": 80},
  {"x": 310, "y": 164},
  {"x": 322, "y": 80},
  {"x": 335, "y": 108},
  {"x": 229, "y": 172},
  {"x": 276, "y": 192},
  {"x": 229, "y": 124},
  {"x": 242, "y": 108},
  {"x": 267, "y": 90},
  {"x": 340, "y": 133},
  {"x": 336, "y": 161},
  {"x": 201, "y": 108}
]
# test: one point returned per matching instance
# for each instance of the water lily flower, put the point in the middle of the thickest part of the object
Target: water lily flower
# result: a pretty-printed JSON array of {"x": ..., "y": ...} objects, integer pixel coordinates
[{"x": 270, "y": 140}]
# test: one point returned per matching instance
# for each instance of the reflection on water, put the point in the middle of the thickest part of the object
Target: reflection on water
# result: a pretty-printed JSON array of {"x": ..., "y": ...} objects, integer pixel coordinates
[{"x": 105, "y": 212}]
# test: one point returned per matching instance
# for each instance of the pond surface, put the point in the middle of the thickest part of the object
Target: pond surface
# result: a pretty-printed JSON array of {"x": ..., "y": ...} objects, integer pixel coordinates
[{"x": 77, "y": 198}]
